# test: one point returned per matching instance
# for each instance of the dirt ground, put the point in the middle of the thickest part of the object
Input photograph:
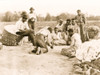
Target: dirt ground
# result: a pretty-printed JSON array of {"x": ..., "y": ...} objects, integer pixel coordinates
[{"x": 16, "y": 60}]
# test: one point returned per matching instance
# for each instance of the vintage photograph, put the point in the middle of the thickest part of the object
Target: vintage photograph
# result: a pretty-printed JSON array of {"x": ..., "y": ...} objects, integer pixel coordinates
[{"x": 49, "y": 37}]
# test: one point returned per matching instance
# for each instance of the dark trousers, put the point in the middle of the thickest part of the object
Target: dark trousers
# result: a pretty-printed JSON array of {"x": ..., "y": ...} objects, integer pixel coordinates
[
  {"x": 82, "y": 33},
  {"x": 31, "y": 24},
  {"x": 37, "y": 40},
  {"x": 22, "y": 34}
]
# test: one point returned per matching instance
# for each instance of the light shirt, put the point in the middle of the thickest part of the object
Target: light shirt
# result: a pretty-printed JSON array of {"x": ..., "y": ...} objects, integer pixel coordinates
[
  {"x": 89, "y": 50},
  {"x": 60, "y": 27},
  {"x": 32, "y": 15},
  {"x": 44, "y": 31},
  {"x": 57, "y": 36},
  {"x": 80, "y": 18},
  {"x": 76, "y": 41},
  {"x": 70, "y": 27},
  {"x": 21, "y": 25}
]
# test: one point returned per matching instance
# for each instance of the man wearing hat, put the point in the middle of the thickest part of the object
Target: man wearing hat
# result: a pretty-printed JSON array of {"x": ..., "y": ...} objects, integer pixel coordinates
[
  {"x": 81, "y": 20},
  {"x": 21, "y": 24},
  {"x": 24, "y": 30},
  {"x": 32, "y": 18}
]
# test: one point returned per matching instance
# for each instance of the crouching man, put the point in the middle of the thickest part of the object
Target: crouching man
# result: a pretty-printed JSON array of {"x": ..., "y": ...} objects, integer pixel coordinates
[
  {"x": 23, "y": 30},
  {"x": 75, "y": 44},
  {"x": 47, "y": 33}
]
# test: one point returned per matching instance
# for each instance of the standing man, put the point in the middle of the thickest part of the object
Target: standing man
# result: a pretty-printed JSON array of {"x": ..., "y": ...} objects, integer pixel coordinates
[
  {"x": 81, "y": 21},
  {"x": 32, "y": 18}
]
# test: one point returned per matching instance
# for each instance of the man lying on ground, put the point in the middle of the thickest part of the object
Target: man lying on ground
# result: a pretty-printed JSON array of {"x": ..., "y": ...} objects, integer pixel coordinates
[
  {"x": 90, "y": 50},
  {"x": 89, "y": 53}
]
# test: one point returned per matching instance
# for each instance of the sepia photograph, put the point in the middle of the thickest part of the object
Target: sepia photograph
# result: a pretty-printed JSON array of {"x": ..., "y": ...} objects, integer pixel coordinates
[{"x": 49, "y": 37}]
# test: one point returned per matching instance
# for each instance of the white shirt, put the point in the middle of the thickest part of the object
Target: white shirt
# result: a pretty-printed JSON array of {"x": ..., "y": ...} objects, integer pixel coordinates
[
  {"x": 76, "y": 40},
  {"x": 44, "y": 31},
  {"x": 89, "y": 50},
  {"x": 70, "y": 27},
  {"x": 21, "y": 25},
  {"x": 60, "y": 27},
  {"x": 32, "y": 15},
  {"x": 57, "y": 36}
]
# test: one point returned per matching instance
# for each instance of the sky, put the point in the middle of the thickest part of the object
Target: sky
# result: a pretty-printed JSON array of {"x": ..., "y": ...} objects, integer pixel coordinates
[{"x": 54, "y": 7}]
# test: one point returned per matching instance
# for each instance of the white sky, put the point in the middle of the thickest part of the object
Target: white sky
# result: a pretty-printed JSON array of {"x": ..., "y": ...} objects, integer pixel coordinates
[{"x": 54, "y": 7}]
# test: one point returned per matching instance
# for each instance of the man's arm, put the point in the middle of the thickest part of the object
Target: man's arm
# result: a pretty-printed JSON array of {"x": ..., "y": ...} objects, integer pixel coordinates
[
  {"x": 84, "y": 19},
  {"x": 72, "y": 41},
  {"x": 27, "y": 26}
]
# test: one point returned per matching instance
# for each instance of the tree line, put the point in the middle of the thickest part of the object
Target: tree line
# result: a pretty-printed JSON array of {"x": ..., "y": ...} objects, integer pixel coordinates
[{"x": 10, "y": 17}]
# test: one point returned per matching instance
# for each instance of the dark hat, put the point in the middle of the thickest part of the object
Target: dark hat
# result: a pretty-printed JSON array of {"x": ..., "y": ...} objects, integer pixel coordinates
[
  {"x": 68, "y": 20},
  {"x": 24, "y": 14},
  {"x": 78, "y": 10},
  {"x": 70, "y": 30},
  {"x": 73, "y": 19},
  {"x": 32, "y": 8}
]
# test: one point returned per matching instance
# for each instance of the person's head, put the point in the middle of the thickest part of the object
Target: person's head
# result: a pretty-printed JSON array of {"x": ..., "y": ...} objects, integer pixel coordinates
[
  {"x": 50, "y": 29},
  {"x": 32, "y": 9},
  {"x": 23, "y": 13},
  {"x": 56, "y": 30},
  {"x": 71, "y": 32},
  {"x": 93, "y": 31},
  {"x": 60, "y": 21},
  {"x": 73, "y": 21},
  {"x": 78, "y": 12},
  {"x": 68, "y": 21},
  {"x": 24, "y": 16}
]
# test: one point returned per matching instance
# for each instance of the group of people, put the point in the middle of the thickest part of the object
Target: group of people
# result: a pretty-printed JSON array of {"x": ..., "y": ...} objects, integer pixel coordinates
[
  {"x": 26, "y": 27},
  {"x": 72, "y": 33},
  {"x": 69, "y": 33}
]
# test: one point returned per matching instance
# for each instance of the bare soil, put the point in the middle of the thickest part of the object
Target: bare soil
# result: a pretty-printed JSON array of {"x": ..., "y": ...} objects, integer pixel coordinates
[{"x": 16, "y": 60}]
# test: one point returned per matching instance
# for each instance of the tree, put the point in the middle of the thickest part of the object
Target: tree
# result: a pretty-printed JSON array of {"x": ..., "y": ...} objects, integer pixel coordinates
[
  {"x": 7, "y": 16},
  {"x": 48, "y": 17},
  {"x": 40, "y": 18}
]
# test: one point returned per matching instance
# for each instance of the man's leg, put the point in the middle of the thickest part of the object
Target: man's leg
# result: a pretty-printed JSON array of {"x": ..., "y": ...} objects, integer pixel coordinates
[
  {"x": 19, "y": 38},
  {"x": 41, "y": 42},
  {"x": 82, "y": 32},
  {"x": 33, "y": 25}
]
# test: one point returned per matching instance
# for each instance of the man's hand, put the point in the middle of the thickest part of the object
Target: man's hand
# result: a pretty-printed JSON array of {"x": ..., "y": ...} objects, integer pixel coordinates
[{"x": 21, "y": 30}]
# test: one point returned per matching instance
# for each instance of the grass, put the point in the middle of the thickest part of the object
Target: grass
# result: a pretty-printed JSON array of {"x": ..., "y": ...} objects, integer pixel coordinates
[{"x": 40, "y": 25}]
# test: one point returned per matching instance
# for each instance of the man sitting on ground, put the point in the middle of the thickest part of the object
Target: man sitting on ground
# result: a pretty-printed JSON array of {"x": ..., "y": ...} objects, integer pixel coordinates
[
  {"x": 65, "y": 27},
  {"x": 58, "y": 37},
  {"x": 60, "y": 25},
  {"x": 37, "y": 40},
  {"x": 75, "y": 44}
]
